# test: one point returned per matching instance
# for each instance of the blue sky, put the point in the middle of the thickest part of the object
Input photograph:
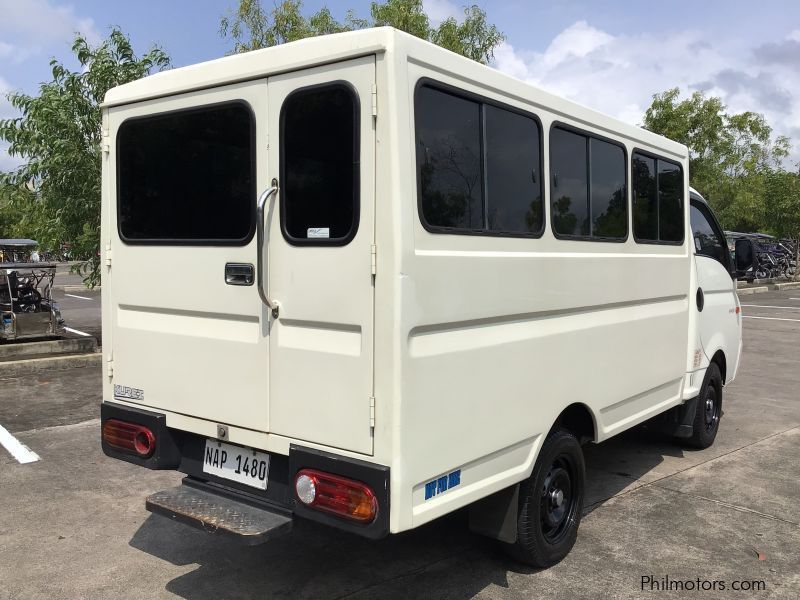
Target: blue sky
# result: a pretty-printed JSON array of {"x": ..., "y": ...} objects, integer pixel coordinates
[{"x": 612, "y": 56}]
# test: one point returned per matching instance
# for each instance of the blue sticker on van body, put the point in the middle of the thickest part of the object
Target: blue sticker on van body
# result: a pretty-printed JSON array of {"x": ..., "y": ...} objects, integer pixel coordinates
[{"x": 442, "y": 484}]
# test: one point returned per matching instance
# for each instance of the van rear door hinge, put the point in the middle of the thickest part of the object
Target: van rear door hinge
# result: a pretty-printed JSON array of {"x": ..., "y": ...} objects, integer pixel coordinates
[
  {"x": 108, "y": 255},
  {"x": 373, "y": 261},
  {"x": 106, "y": 144},
  {"x": 110, "y": 367},
  {"x": 375, "y": 101},
  {"x": 372, "y": 412}
]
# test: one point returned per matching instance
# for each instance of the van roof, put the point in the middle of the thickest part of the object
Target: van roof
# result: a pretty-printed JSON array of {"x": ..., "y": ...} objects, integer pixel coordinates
[{"x": 332, "y": 48}]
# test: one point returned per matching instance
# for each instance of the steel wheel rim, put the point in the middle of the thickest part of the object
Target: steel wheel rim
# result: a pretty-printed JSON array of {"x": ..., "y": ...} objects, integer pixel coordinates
[
  {"x": 711, "y": 409},
  {"x": 557, "y": 500}
]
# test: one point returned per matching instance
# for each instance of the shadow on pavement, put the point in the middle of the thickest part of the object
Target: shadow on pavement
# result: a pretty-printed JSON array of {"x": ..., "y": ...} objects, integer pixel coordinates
[
  {"x": 441, "y": 559},
  {"x": 624, "y": 462}
]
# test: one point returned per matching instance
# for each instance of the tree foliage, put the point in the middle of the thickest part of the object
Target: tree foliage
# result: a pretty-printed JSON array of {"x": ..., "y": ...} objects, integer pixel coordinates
[
  {"x": 732, "y": 157},
  {"x": 251, "y": 27},
  {"x": 15, "y": 222},
  {"x": 57, "y": 189}
]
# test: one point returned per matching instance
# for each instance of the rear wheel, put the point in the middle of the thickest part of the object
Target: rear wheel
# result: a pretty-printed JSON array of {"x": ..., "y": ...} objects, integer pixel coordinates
[
  {"x": 709, "y": 410},
  {"x": 550, "y": 503}
]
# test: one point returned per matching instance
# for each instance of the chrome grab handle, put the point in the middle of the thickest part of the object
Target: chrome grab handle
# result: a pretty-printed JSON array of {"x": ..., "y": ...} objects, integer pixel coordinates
[{"x": 262, "y": 202}]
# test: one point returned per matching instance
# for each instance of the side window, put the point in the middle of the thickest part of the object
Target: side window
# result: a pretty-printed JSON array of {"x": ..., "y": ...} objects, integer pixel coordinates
[
  {"x": 320, "y": 165},
  {"x": 569, "y": 190},
  {"x": 478, "y": 166},
  {"x": 707, "y": 240},
  {"x": 657, "y": 200},
  {"x": 609, "y": 200},
  {"x": 587, "y": 194},
  {"x": 645, "y": 200},
  {"x": 670, "y": 202},
  {"x": 449, "y": 159},
  {"x": 512, "y": 162}
]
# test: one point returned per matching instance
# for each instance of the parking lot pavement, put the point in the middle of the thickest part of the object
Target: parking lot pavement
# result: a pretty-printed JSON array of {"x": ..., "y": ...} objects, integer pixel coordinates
[
  {"x": 49, "y": 399},
  {"x": 74, "y": 525},
  {"x": 81, "y": 311}
]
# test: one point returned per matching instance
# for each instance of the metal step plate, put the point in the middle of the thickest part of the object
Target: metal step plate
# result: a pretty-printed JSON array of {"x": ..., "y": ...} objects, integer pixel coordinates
[{"x": 218, "y": 514}]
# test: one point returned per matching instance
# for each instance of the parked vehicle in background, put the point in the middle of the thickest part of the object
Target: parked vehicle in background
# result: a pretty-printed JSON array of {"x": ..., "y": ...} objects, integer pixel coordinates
[
  {"x": 774, "y": 258},
  {"x": 27, "y": 309},
  {"x": 414, "y": 315}
]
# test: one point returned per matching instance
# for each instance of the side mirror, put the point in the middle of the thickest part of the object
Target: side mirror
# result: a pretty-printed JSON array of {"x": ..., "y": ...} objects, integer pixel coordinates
[{"x": 744, "y": 256}]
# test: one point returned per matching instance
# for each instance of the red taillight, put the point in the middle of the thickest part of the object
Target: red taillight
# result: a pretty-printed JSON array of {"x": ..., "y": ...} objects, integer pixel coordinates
[
  {"x": 129, "y": 437},
  {"x": 336, "y": 495}
]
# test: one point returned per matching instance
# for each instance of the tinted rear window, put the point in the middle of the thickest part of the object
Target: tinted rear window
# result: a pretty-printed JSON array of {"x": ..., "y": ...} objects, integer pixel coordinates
[
  {"x": 187, "y": 177},
  {"x": 320, "y": 165}
]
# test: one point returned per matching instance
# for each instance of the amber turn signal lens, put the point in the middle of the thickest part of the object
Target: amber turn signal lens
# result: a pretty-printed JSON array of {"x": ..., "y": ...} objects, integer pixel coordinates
[{"x": 336, "y": 495}]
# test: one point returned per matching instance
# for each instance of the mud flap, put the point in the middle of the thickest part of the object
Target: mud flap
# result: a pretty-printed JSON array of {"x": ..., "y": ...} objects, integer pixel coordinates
[
  {"x": 679, "y": 421},
  {"x": 496, "y": 516}
]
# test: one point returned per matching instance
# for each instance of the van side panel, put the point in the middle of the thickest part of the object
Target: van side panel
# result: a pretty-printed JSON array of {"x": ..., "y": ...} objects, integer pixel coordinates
[{"x": 501, "y": 334}]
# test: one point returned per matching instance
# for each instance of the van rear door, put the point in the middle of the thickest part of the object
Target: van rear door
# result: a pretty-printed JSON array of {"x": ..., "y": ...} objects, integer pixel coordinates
[
  {"x": 321, "y": 234},
  {"x": 189, "y": 334}
]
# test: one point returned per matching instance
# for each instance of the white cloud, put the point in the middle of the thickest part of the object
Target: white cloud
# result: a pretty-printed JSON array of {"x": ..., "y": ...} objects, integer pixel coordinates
[
  {"x": 15, "y": 55},
  {"x": 441, "y": 10},
  {"x": 33, "y": 29},
  {"x": 43, "y": 23},
  {"x": 575, "y": 42},
  {"x": 6, "y": 110},
  {"x": 618, "y": 74},
  {"x": 7, "y": 162}
]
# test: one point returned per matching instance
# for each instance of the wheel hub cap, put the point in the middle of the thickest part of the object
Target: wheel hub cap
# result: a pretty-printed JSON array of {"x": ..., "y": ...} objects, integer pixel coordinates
[
  {"x": 711, "y": 410},
  {"x": 556, "y": 497}
]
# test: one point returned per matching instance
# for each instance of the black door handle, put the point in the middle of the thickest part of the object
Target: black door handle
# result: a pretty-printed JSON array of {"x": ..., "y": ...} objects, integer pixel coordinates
[
  {"x": 239, "y": 274},
  {"x": 701, "y": 300}
]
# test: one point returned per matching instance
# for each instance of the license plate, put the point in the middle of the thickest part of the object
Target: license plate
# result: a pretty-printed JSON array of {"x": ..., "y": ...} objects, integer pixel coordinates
[{"x": 243, "y": 465}]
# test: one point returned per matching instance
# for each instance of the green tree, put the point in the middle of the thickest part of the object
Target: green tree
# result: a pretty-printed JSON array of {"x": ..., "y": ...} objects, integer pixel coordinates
[
  {"x": 729, "y": 154},
  {"x": 251, "y": 27},
  {"x": 782, "y": 206},
  {"x": 59, "y": 135},
  {"x": 14, "y": 219}
]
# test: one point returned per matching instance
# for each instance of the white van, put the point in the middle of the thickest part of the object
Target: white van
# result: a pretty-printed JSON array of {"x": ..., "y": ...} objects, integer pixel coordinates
[{"x": 361, "y": 280}]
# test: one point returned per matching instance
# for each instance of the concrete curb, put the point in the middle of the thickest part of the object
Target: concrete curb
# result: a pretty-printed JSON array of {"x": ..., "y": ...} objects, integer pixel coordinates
[
  {"x": 752, "y": 290},
  {"x": 82, "y": 345},
  {"x": 772, "y": 287},
  {"x": 75, "y": 288},
  {"x": 53, "y": 363}
]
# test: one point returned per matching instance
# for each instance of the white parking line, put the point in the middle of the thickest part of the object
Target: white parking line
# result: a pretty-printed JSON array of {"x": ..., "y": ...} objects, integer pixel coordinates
[
  {"x": 780, "y": 307},
  {"x": 771, "y": 318},
  {"x": 71, "y": 330},
  {"x": 80, "y": 297},
  {"x": 17, "y": 449}
]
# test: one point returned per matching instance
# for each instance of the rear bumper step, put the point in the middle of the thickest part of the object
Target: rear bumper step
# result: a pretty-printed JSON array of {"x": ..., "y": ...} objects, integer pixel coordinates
[{"x": 220, "y": 514}]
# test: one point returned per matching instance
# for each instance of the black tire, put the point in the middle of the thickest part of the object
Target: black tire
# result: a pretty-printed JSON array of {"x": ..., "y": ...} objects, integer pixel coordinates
[
  {"x": 550, "y": 503},
  {"x": 709, "y": 410}
]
